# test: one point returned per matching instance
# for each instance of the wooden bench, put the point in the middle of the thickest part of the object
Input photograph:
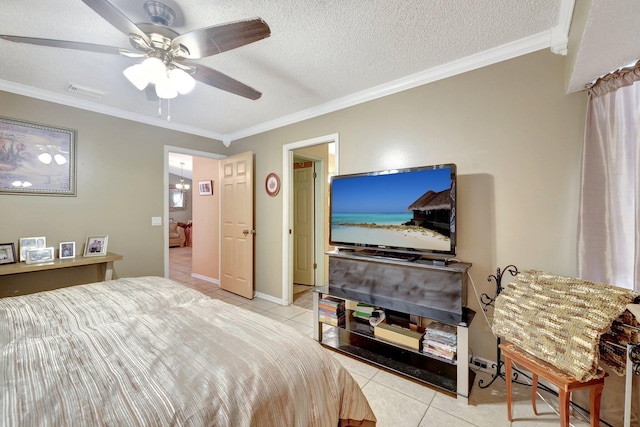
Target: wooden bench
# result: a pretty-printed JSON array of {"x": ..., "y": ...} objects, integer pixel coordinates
[{"x": 564, "y": 383}]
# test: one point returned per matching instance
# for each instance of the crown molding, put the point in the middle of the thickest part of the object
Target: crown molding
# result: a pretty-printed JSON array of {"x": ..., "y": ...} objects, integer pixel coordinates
[
  {"x": 69, "y": 101},
  {"x": 559, "y": 37},
  {"x": 507, "y": 51},
  {"x": 489, "y": 57}
]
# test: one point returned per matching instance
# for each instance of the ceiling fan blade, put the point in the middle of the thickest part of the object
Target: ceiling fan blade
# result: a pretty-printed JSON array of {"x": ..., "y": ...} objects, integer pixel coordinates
[
  {"x": 221, "y": 38},
  {"x": 90, "y": 47},
  {"x": 112, "y": 15},
  {"x": 215, "y": 78}
]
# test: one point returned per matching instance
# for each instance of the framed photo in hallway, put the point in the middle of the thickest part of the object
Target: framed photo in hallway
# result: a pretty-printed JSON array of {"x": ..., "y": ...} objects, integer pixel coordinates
[{"x": 205, "y": 187}]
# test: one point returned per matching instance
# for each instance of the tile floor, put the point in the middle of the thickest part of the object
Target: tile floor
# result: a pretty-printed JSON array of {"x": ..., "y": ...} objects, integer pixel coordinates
[{"x": 397, "y": 402}]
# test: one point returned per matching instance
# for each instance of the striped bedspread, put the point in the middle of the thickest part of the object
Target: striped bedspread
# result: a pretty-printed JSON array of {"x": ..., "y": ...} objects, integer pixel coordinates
[{"x": 150, "y": 352}]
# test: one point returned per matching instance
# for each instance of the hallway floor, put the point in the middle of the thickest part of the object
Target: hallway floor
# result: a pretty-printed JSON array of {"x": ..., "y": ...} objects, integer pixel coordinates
[{"x": 397, "y": 402}]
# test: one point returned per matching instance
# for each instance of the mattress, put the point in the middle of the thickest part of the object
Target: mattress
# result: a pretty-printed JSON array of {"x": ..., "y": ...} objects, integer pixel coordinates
[{"x": 148, "y": 351}]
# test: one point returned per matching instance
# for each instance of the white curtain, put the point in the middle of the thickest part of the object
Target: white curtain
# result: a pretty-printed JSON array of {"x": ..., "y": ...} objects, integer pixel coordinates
[{"x": 609, "y": 227}]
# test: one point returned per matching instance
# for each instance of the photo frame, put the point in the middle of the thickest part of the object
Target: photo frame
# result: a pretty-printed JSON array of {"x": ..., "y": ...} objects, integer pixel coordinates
[
  {"x": 27, "y": 243},
  {"x": 96, "y": 246},
  {"x": 37, "y": 159},
  {"x": 40, "y": 255},
  {"x": 7, "y": 253},
  {"x": 205, "y": 187},
  {"x": 67, "y": 250}
]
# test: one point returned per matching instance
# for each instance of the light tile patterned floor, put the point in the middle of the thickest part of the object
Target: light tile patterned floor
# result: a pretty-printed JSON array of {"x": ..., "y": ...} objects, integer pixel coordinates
[{"x": 397, "y": 402}]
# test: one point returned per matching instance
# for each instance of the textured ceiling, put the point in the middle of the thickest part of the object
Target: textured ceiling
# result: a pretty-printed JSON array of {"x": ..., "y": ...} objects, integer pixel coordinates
[{"x": 322, "y": 54}]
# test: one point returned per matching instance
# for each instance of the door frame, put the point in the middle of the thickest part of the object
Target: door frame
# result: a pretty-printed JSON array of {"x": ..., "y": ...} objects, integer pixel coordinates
[
  {"x": 178, "y": 150},
  {"x": 318, "y": 225},
  {"x": 287, "y": 205}
]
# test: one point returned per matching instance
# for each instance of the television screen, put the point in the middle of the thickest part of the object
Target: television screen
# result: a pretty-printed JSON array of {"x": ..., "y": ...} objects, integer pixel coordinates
[{"x": 407, "y": 210}]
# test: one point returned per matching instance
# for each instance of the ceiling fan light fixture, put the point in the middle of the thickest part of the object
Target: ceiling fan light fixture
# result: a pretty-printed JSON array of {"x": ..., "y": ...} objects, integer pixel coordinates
[
  {"x": 154, "y": 69},
  {"x": 165, "y": 90},
  {"x": 137, "y": 75},
  {"x": 181, "y": 80}
]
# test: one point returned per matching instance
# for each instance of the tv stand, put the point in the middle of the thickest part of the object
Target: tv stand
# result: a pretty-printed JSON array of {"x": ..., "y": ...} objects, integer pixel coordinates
[{"x": 417, "y": 288}]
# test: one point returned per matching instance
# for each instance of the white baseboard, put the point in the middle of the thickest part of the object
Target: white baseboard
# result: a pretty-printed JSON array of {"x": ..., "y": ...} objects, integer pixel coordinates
[
  {"x": 269, "y": 298},
  {"x": 206, "y": 278}
]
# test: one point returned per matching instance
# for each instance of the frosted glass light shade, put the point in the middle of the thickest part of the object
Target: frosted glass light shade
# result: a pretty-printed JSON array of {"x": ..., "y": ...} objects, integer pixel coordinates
[
  {"x": 137, "y": 75},
  {"x": 154, "y": 69},
  {"x": 181, "y": 81},
  {"x": 165, "y": 90}
]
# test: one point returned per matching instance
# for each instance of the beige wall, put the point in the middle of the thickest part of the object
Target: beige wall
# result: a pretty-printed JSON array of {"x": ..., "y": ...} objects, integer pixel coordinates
[
  {"x": 120, "y": 169},
  {"x": 206, "y": 221},
  {"x": 513, "y": 132},
  {"x": 516, "y": 138}
]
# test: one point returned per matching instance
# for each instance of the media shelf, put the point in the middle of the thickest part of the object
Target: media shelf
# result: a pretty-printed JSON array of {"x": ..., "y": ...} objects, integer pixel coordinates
[{"x": 421, "y": 289}]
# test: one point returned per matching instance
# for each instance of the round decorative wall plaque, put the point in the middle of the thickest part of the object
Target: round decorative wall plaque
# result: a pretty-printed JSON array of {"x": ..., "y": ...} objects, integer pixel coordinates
[{"x": 272, "y": 184}]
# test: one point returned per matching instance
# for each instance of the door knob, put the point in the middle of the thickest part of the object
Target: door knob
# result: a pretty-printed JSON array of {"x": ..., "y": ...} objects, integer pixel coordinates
[{"x": 245, "y": 232}]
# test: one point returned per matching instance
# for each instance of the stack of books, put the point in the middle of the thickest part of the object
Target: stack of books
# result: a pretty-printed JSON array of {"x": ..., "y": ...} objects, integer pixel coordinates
[
  {"x": 331, "y": 311},
  {"x": 363, "y": 312},
  {"x": 440, "y": 340}
]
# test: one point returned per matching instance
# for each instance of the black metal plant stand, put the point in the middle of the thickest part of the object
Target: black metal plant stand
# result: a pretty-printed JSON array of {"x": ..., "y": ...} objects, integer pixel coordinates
[{"x": 488, "y": 301}]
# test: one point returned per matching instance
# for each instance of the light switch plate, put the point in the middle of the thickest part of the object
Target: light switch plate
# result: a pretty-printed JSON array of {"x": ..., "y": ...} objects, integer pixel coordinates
[{"x": 156, "y": 221}]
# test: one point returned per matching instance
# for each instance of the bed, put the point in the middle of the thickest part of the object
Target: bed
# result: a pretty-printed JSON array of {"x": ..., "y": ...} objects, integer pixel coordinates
[{"x": 151, "y": 352}]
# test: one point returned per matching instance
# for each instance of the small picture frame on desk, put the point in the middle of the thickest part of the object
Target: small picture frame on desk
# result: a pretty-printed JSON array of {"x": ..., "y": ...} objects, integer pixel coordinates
[
  {"x": 27, "y": 243},
  {"x": 67, "y": 250},
  {"x": 96, "y": 246},
  {"x": 40, "y": 255},
  {"x": 7, "y": 253}
]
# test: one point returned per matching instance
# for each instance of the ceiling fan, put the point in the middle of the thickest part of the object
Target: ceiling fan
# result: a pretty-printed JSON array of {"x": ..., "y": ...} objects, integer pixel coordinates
[{"x": 168, "y": 55}]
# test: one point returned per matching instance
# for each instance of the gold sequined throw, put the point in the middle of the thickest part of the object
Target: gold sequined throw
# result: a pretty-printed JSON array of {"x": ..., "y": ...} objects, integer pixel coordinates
[{"x": 559, "y": 319}]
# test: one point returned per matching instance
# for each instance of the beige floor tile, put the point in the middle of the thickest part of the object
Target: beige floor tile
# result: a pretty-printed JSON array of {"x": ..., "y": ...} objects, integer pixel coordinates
[
  {"x": 393, "y": 408},
  {"x": 436, "y": 418},
  {"x": 288, "y": 312},
  {"x": 409, "y": 388}
]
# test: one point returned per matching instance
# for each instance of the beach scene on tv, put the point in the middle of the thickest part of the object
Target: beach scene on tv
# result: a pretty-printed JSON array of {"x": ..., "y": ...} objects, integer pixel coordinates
[{"x": 409, "y": 210}]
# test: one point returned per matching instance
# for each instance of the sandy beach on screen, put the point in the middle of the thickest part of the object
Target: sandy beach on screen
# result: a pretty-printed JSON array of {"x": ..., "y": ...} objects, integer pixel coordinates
[{"x": 393, "y": 235}]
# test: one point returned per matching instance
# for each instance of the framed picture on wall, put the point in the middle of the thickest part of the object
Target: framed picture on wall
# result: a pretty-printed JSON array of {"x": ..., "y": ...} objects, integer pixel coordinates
[
  {"x": 205, "y": 187},
  {"x": 67, "y": 250},
  {"x": 37, "y": 159},
  {"x": 96, "y": 246}
]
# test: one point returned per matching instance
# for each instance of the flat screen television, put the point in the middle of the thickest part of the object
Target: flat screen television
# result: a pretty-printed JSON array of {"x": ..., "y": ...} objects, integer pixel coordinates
[{"x": 410, "y": 211}]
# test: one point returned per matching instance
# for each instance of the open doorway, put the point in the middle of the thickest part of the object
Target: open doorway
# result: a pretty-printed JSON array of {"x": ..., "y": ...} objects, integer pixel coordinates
[
  {"x": 319, "y": 154},
  {"x": 183, "y": 154}
]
